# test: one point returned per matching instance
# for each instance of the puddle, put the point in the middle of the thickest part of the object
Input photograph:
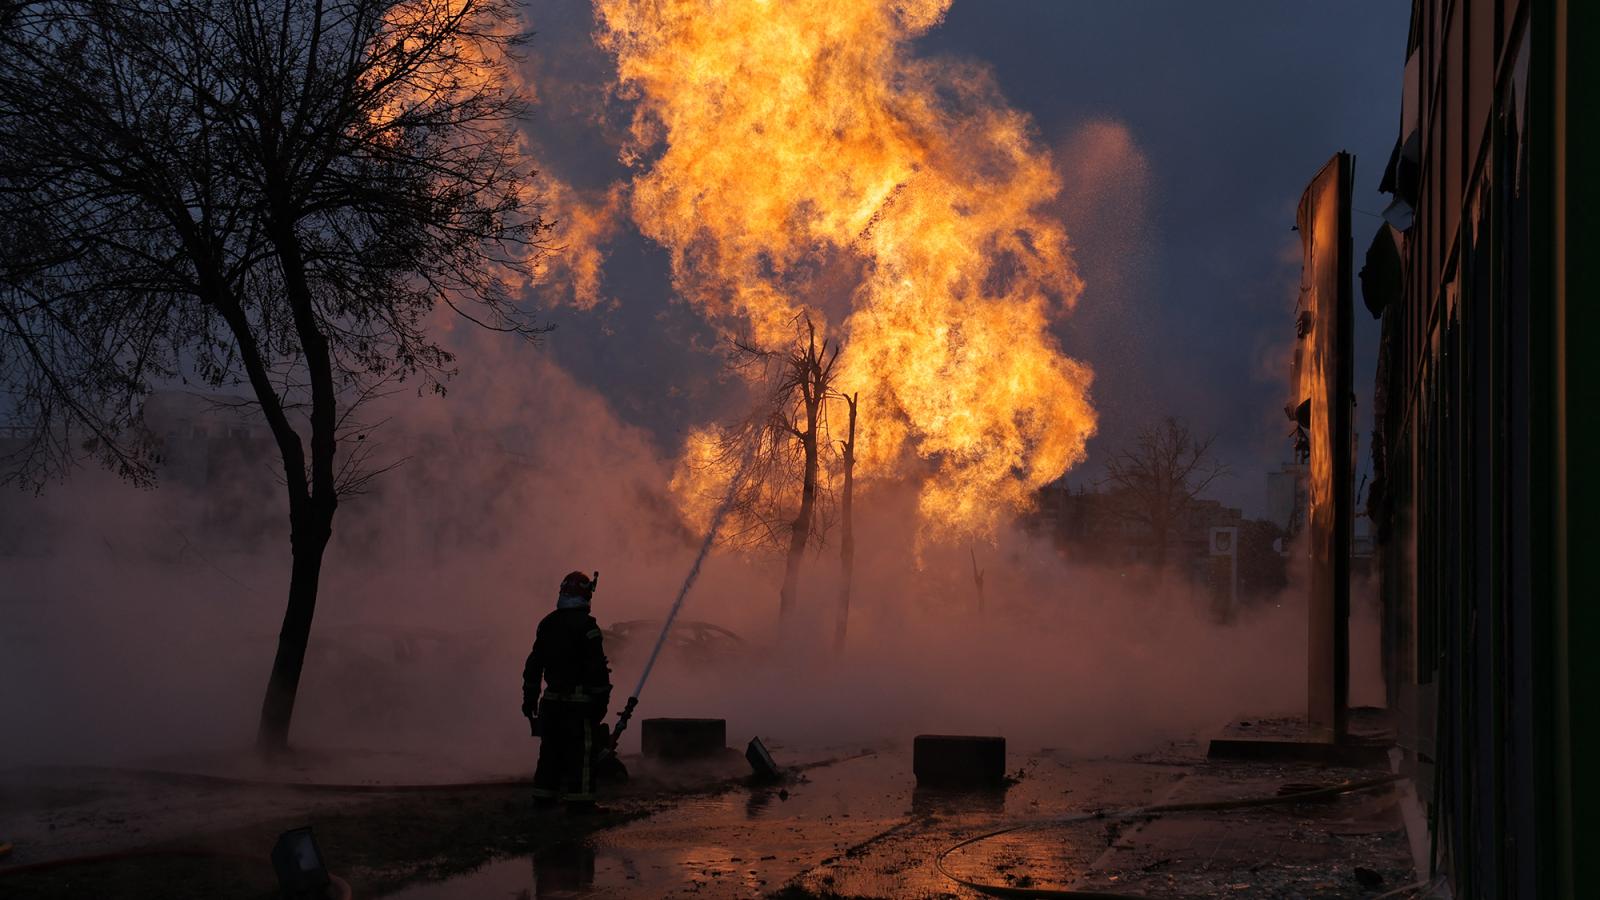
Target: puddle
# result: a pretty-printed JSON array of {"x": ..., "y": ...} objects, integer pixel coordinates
[
  {"x": 857, "y": 827},
  {"x": 563, "y": 870}
]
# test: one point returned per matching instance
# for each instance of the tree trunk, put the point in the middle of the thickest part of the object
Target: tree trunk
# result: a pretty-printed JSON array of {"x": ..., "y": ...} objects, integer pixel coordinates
[
  {"x": 310, "y": 511},
  {"x": 312, "y": 526},
  {"x": 800, "y": 532},
  {"x": 847, "y": 537}
]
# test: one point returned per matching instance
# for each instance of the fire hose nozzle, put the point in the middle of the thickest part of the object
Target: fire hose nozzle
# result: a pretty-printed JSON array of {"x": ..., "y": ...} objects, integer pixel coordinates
[{"x": 622, "y": 721}]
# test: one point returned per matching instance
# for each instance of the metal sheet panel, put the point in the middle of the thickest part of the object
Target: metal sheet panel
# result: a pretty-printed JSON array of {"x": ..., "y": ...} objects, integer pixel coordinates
[{"x": 1323, "y": 377}]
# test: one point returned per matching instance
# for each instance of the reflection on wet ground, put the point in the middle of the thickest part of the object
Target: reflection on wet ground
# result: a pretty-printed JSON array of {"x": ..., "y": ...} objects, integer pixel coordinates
[{"x": 857, "y": 827}]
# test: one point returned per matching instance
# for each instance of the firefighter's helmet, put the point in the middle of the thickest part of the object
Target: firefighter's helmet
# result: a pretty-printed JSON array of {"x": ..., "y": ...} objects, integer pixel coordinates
[{"x": 577, "y": 584}]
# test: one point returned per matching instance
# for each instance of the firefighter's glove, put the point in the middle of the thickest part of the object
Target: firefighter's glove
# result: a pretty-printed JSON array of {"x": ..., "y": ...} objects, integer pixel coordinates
[{"x": 533, "y": 726}]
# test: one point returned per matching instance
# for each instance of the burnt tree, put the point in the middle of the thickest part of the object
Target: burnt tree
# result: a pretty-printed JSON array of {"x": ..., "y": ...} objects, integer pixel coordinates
[
  {"x": 1154, "y": 482},
  {"x": 803, "y": 390},
  {"x": 271, "y": 193},
  {"x": 782, "y": 503},
  {"x": 847, "y": 536}
]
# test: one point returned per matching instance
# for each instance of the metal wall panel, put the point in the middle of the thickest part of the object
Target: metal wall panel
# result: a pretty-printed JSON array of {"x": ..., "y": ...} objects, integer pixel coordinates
[{"x": 1323, "y": 378}]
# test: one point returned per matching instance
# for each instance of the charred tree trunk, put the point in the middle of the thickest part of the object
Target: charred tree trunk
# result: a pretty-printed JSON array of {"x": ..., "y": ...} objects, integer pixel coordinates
[
  {"x": 800, "y": 530},
  {"x": 797, "y": 412},
  {"x": 847, "y": 537}
]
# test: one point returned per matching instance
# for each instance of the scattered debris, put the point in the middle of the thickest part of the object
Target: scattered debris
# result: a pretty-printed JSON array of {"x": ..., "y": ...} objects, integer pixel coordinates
[{"x": 762, "y": 766}]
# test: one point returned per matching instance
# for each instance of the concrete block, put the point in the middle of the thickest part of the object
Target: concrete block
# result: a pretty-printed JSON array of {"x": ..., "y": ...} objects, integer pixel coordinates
[
  {"x": 762, "y": 766},
  {"x": 958, "y": 760},
  {"x": 683, "y": 738}
]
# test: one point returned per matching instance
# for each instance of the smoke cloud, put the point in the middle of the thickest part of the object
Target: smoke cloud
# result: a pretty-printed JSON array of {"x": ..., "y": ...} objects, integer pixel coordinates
[
  {"x": 141, "y": 623},
  {"x": 138, "y": 622}
]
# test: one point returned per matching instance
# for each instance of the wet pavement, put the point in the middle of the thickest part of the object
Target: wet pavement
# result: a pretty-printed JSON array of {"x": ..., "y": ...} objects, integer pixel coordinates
[
  {"x": 861, "y": 828},
  {"x": 1352, "y": 845},
  {"x": 856, "y": 828},
  {"x": 850, "y": 822}
]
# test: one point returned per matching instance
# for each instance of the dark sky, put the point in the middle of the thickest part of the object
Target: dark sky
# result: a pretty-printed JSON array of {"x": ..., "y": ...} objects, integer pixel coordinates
[{"x": 1183, "y": 230}]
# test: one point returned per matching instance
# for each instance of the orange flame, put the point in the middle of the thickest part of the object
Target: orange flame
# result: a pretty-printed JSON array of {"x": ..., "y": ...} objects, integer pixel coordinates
[
  {"x": 799, "y": 158},
  {"x": 583, "y": 223}
]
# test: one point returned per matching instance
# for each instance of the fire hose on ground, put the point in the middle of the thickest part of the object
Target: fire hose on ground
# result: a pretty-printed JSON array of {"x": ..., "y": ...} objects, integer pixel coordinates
[{"x": 1133, "y": 813}]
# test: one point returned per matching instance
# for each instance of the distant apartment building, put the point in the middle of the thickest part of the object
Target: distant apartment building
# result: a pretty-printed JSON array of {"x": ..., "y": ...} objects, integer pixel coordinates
[{"x": 1091, "y": 527}]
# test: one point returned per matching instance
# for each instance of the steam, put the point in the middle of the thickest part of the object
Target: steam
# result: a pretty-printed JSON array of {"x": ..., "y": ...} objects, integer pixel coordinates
[
  {"x": 787, "y": 156},
  {"x": 132, "y": 632}
]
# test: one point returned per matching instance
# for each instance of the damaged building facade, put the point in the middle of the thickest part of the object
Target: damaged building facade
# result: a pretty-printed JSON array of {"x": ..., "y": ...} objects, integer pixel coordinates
[{"x": 1485, "y": 489}]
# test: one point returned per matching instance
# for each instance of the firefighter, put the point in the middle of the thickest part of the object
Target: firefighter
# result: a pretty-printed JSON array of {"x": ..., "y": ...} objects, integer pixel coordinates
[{"x": 568, "y": 657}]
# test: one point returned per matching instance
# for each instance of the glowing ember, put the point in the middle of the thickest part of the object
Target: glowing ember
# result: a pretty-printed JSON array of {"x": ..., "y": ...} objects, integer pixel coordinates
[{"x": 800, "y": 158}]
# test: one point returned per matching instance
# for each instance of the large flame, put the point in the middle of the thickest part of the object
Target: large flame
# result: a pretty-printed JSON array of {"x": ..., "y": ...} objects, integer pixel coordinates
[{"x": 795, "y": 156}]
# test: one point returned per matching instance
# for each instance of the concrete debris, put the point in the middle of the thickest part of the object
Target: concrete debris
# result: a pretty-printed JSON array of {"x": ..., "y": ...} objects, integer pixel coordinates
[
  {"x": 676, "y": 739},
  {"x": 958, "y": 760}
]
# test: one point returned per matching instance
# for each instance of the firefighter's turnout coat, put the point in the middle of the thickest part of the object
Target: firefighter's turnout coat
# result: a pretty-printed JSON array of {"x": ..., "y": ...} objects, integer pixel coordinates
[{"x": 571, "y": 662}]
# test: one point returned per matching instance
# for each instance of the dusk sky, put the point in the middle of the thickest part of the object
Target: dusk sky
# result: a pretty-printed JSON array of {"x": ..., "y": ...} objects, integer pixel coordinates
[{"x": 1184, "y": 134}]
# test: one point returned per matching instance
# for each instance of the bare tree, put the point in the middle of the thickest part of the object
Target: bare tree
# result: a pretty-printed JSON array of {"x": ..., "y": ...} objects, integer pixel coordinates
[
  {"x": 801, "y": 397},
  {"x": 269, "y": 192},
  {"x": 847, "y": 534},
  {"x": 1154, "y": 482},
  {"x": 781, "y": 501}
]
